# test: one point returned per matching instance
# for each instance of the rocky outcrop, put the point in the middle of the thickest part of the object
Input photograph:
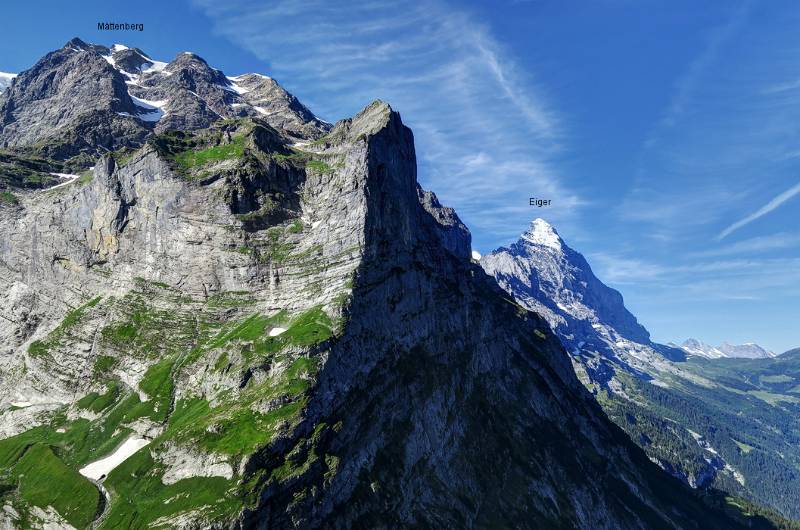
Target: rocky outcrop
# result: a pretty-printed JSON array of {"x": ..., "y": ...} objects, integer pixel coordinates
[{"x": 184, "y": 462}]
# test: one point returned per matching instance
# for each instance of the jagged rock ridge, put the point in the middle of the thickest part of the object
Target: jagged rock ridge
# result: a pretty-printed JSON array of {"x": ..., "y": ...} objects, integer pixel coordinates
[{"x": 85, "y": 99}]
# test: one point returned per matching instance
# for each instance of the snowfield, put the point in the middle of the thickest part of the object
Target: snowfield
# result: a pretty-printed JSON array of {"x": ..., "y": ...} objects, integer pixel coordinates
[
  {"x": 101, "y": 468},
  {"x": 236, "y": 88},
  {"x": 154, "y": 110},
  {"x": 274, "y": 332},
  {"x": 72, "y": 178}
]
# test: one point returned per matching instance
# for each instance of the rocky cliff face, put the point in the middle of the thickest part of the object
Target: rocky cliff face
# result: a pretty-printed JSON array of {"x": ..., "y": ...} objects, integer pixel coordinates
[{"x": 266, "y": 333}]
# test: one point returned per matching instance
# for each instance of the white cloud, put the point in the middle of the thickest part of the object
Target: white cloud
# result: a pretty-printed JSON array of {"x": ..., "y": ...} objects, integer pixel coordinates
[
  {"x": 782, "y": 240},
  {"x": 486, "y": 136},
  {"x": 686, "y": 84},
  {"x": 786, "y": 86},
  {"x": 764, "y": 210},
  {"x": 698, "y": 281}
]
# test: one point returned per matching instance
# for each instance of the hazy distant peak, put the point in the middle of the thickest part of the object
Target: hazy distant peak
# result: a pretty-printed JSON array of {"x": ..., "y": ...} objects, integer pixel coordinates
[{"x": 748, "y": 350}]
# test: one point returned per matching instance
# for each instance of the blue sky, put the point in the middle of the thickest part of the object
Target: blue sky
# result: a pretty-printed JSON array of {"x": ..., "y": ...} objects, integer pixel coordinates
[{"x": 666, "y": 133}]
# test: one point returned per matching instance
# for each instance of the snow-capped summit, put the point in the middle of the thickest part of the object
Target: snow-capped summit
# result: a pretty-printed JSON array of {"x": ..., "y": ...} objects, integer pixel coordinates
[
  {"x": 748, "y": 350},
  {"x": 542, "y": 233},
  {"x": 5, "y": 80},
  {"x": 129, "y": 96},
  {"x": 561, "y": 283},
  {"x": 545, "y": 275},
  {"x": 701, "y": 349}
]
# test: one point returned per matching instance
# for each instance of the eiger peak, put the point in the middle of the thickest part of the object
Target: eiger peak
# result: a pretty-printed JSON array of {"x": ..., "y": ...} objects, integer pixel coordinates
[{"x": 542, "y": 233}]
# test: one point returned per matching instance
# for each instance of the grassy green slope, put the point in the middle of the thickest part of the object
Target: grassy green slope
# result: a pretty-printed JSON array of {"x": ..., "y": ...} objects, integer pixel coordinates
[{"x": 174, "y": 336}]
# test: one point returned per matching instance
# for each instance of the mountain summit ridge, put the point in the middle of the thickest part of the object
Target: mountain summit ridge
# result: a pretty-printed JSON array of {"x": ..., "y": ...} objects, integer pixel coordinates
[
  {"x": 82, "y": 100},
  {"x": 747, "y": 350}
]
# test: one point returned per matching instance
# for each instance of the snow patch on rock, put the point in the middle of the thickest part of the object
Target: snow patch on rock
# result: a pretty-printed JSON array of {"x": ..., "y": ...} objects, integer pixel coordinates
[
  {"x": 5, "y": 80},
  {"x": 153, "y": 109},
  {"x": 101, "y": 468},
  {"x": 70, "y": 179},
  {"x": 155, "y": 66},
  {"x": 235, "y": 87}
]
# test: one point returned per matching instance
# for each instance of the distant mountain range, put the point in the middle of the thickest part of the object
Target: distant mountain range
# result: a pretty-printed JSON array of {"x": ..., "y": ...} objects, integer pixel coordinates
[
  {"x": 747, "y": 350},
  {"x": 723, "y": 417}
]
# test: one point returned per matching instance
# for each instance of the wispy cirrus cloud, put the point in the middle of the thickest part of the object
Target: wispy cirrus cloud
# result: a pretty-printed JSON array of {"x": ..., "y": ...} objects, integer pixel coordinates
[
  {"x": 487, "y": 137},
  {"x": 722, "y": 279},
  {"x": 775, "y": 203},
  {"x": 687, "y": 84},
  {"x": 761, "y": 244},
  {"x": 727, "y": 135},
  {"x": 675, "y": 189}
]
